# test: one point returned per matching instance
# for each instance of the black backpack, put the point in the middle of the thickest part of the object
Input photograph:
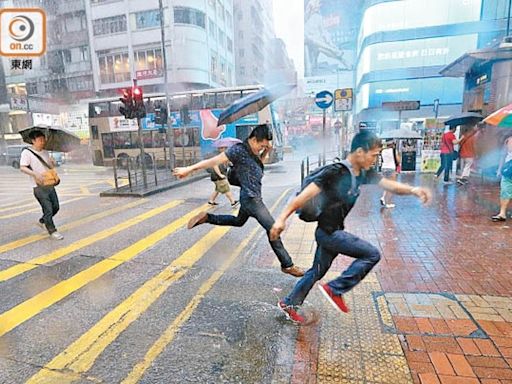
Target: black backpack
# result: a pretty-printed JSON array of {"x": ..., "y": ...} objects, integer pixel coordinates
[{"x": 313, "y": 208}]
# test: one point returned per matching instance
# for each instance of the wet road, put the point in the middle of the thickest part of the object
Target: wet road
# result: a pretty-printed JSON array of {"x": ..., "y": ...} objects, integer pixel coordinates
[{"x": 131, "y": 296}]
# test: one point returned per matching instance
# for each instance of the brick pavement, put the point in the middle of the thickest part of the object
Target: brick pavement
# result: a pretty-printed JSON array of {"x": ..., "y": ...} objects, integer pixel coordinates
[{"x": 438, "y": 307}]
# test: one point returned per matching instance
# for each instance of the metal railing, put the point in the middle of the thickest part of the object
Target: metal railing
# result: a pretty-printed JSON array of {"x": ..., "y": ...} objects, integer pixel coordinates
[
  {"x": 158, "y": 170},
  {"x": 311, "y": 162}
]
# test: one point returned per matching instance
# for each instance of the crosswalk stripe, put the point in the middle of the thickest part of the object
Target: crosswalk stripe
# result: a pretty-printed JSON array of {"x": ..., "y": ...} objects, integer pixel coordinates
[
  {"x": 11, "y": 215},
  {"x": 30, "y": 239},
  {"x": 33, "y": 306},
  {"x": 18, "y": 269},
  {"x": 168, "y": 336},
  {"x": 81, "y": 354},
  {"x": 10, "y": 207}
]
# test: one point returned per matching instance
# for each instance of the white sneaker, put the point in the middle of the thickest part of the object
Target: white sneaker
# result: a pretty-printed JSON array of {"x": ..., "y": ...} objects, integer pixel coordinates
[
  {"x": 57, "y": 236},
  {"x": 390, "y": 205}
]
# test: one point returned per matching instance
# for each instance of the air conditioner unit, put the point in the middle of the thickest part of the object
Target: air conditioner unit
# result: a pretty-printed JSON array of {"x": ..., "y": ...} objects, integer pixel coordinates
[{"x": 506, "y": 42}]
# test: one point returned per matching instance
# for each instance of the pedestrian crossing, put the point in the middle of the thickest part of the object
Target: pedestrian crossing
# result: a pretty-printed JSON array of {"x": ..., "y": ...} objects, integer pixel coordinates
[{"x": 78, "y": 356}]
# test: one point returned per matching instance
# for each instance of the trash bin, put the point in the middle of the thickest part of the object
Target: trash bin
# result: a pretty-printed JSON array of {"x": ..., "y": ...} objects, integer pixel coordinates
[{"x": 409, "y": 161}]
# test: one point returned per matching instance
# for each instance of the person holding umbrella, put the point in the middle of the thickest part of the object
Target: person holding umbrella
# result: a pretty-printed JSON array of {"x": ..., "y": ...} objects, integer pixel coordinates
[
  {"x": 505, "y": 172},
  {"x": 37, "y": 163},
  {"x": 247, "y": 159}
]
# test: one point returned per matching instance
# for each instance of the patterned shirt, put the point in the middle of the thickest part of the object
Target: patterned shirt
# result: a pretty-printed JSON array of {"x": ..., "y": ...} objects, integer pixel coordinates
[{"x": 248, "y": 167}]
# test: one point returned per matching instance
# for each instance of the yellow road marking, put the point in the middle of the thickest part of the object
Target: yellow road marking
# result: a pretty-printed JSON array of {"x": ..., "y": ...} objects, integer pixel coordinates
[
  {"x": 30, "y": 239},
  {"x": 11, "y": 215},
  {"x": 81, "y": 355},
  {"x": 84, "y": 190},
  {"x": 33, "y": 306},
  {"x": 168, "y": 336},
  {"x": 16, "y": 206},
  {"x": 18, "y": 269}
]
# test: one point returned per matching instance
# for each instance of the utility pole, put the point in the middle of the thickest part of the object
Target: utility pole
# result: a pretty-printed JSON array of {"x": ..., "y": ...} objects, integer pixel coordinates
[
  {"x": 508, "y": 18},
  {"x": 139, "y": 132},
  {"x": 169, "y": 131}
]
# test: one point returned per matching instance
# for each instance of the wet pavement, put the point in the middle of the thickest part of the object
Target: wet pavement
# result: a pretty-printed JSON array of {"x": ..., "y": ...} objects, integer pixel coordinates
[{"x": 131, "y": 296}]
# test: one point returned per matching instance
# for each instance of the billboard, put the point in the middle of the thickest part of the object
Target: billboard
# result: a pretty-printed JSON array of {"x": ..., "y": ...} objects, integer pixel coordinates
[{"x": 330, "y": 36}]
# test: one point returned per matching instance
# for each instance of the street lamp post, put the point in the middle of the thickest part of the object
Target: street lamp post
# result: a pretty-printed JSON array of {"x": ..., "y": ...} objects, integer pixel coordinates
[
  {"x": 508, "y": 17},
  {"x": 169, "y": 131}
]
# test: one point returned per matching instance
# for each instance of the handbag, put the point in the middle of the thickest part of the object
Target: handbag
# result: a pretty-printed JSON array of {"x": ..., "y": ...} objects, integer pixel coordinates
[
  {"x": 506, "y": 171},
  {"x": 50, "y": 177},
  {"x": 233, "y": 177},
  {"x": 455, "y": 155}
]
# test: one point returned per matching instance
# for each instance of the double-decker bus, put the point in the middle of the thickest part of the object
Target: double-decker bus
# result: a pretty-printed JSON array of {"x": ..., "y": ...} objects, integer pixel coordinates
[{"x": 114, "y": 137}]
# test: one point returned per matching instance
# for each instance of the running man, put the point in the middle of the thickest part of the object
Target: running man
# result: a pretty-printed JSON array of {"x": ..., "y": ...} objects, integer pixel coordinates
[{"x": 340, "y": 188}]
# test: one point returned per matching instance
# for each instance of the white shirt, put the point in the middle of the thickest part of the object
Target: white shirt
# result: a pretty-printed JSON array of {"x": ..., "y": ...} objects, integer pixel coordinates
[
  {"x": 29, "y": 160},
  {"x": 388, "y": 159}
]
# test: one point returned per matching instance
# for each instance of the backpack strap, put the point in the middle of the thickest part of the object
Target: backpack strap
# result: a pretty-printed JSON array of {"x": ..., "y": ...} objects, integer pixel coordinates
[{"x": 39, "y": 158}]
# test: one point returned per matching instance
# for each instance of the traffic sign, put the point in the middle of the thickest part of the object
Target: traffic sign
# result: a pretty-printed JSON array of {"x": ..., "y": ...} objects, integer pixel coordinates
[
  {"x": 343, "y": 99},
  {"x": 408, "y": 105},
  {"x": 324, "y": 99}
]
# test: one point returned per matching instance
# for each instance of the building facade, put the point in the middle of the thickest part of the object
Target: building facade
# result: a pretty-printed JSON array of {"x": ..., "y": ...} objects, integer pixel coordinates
[
  {"x": 403, "y": 46},
  {"x": 254, "y": 34}
]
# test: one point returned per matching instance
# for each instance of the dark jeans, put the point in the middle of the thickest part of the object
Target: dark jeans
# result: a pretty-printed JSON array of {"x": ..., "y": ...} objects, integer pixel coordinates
[
  {"x": 328, "y": 247},
  {"x": 254, "y": 207},
  {"x": 446, "y": 166},
  {"x": 47, "y": 198}
]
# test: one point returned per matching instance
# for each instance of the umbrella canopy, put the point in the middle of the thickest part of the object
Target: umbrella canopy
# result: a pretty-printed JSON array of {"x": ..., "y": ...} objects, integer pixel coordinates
[
  {"x": 401, "y": 133},
  {"x": 253, "y": 103},
  {"x": 501, "y": 118},
  {"x": 226, "y": 142},
  {"x": 57, "y": 139},
  {"x": 465, "y": 118}
]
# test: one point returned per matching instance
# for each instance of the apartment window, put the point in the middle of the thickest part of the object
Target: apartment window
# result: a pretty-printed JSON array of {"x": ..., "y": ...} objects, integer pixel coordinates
[
  {"x": 147, "y": 19},
  {"x": 213, "y": 68},
  {"x": 223, "y": 72},
  {"x": 84, "y": 53},
  {"x": 114, "y": 67},
  {"x": 229, "y": 19},
  {"x": 230, "y": 44},
  {"x": 230, "y": 74},
  {"x": 212, "y": 27},
  {"x": 212, "y": 3},
  {"x": 241, "y": 35},
  {"x": 241, "y": 70},
  {"x": 148, "y": 59},
  {"x": 185, "y": 15},
  {"x": 81, "y": 83},
  {"x": 221, "y": 11},
  {"x": 75, "y": 22},
  {"x": 109, "y": 25},
  {"x": 240, "y": 15},
  {"x": 241, "y": 52},
  {"x": 222, "y": 40}
]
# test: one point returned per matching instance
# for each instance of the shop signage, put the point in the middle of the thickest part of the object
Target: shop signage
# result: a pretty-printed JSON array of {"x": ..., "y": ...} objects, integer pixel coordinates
[
  {"x": 119, "y": 123},
  {"x": 408, "y": 105},
  {"x": 149, "y": 74},
  {"x": 343, "y": 99}
]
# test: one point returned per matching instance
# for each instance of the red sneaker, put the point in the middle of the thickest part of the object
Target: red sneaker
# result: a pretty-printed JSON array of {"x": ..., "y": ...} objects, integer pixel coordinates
[
  {"x": 290, "y": 312},
  {"x": 336, "y": 300}
]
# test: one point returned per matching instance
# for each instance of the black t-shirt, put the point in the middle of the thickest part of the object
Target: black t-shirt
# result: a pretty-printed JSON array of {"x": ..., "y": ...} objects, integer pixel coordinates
[{"x": 341, "y": 190}]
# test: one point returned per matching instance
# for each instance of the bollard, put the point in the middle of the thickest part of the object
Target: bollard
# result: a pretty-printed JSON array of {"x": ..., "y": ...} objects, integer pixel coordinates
[
  {"x": 129, "y": 173},
  {"x": 115, "y": 173},
  {"x": 154, "y": 169}
]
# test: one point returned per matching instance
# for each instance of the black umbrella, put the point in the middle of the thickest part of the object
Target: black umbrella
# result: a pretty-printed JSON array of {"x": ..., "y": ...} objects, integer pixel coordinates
[
  {"x": 57, "y": 139},
  {"x": 463, "y": 119},
  {"x": 253, "y": 103}
]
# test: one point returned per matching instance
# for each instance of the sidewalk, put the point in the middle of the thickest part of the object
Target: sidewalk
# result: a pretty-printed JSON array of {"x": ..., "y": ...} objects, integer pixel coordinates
[{"x": 437, "y": 308}]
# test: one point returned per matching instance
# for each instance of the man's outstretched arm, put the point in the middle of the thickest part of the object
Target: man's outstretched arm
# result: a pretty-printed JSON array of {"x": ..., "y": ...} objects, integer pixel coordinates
[
  {"x": 424, "y": 194},
  {"x": 181, "y": 172}
]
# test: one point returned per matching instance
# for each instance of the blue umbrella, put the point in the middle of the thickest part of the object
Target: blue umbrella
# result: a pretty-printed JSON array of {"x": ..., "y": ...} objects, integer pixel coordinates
[
  {"x": 253, "y": 103},
  {"x": 226, "y": 142}
]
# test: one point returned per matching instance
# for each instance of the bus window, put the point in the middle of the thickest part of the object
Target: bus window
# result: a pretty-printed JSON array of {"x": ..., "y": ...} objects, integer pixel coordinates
[
  {"x": 122, "y": 140},
  {"x": 159, "y": 139},
  {"x": 197, "y": 101},
  {"x": 189, "y": 137},
  {"x": 147, "y": 139},
  {"x": 209, "y": 100},
  {"x": 108, "y": 147}
]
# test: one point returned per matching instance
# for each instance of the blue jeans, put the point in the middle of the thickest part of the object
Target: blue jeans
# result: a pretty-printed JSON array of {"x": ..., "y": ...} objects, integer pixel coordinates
[
  {"x": 446, "y": 166},
  {"x": 47, "y": 198},
  {"x": 329, "y": 245},
  {"x": 254, "y": 207}
]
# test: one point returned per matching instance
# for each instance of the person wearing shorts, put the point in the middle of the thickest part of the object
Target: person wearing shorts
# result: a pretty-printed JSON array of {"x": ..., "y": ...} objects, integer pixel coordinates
[{"x": 218, "y": 176}]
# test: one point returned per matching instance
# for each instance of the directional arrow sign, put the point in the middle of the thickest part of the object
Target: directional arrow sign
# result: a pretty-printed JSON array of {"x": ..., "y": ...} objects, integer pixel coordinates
[{"x": 324, "y": 99}]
